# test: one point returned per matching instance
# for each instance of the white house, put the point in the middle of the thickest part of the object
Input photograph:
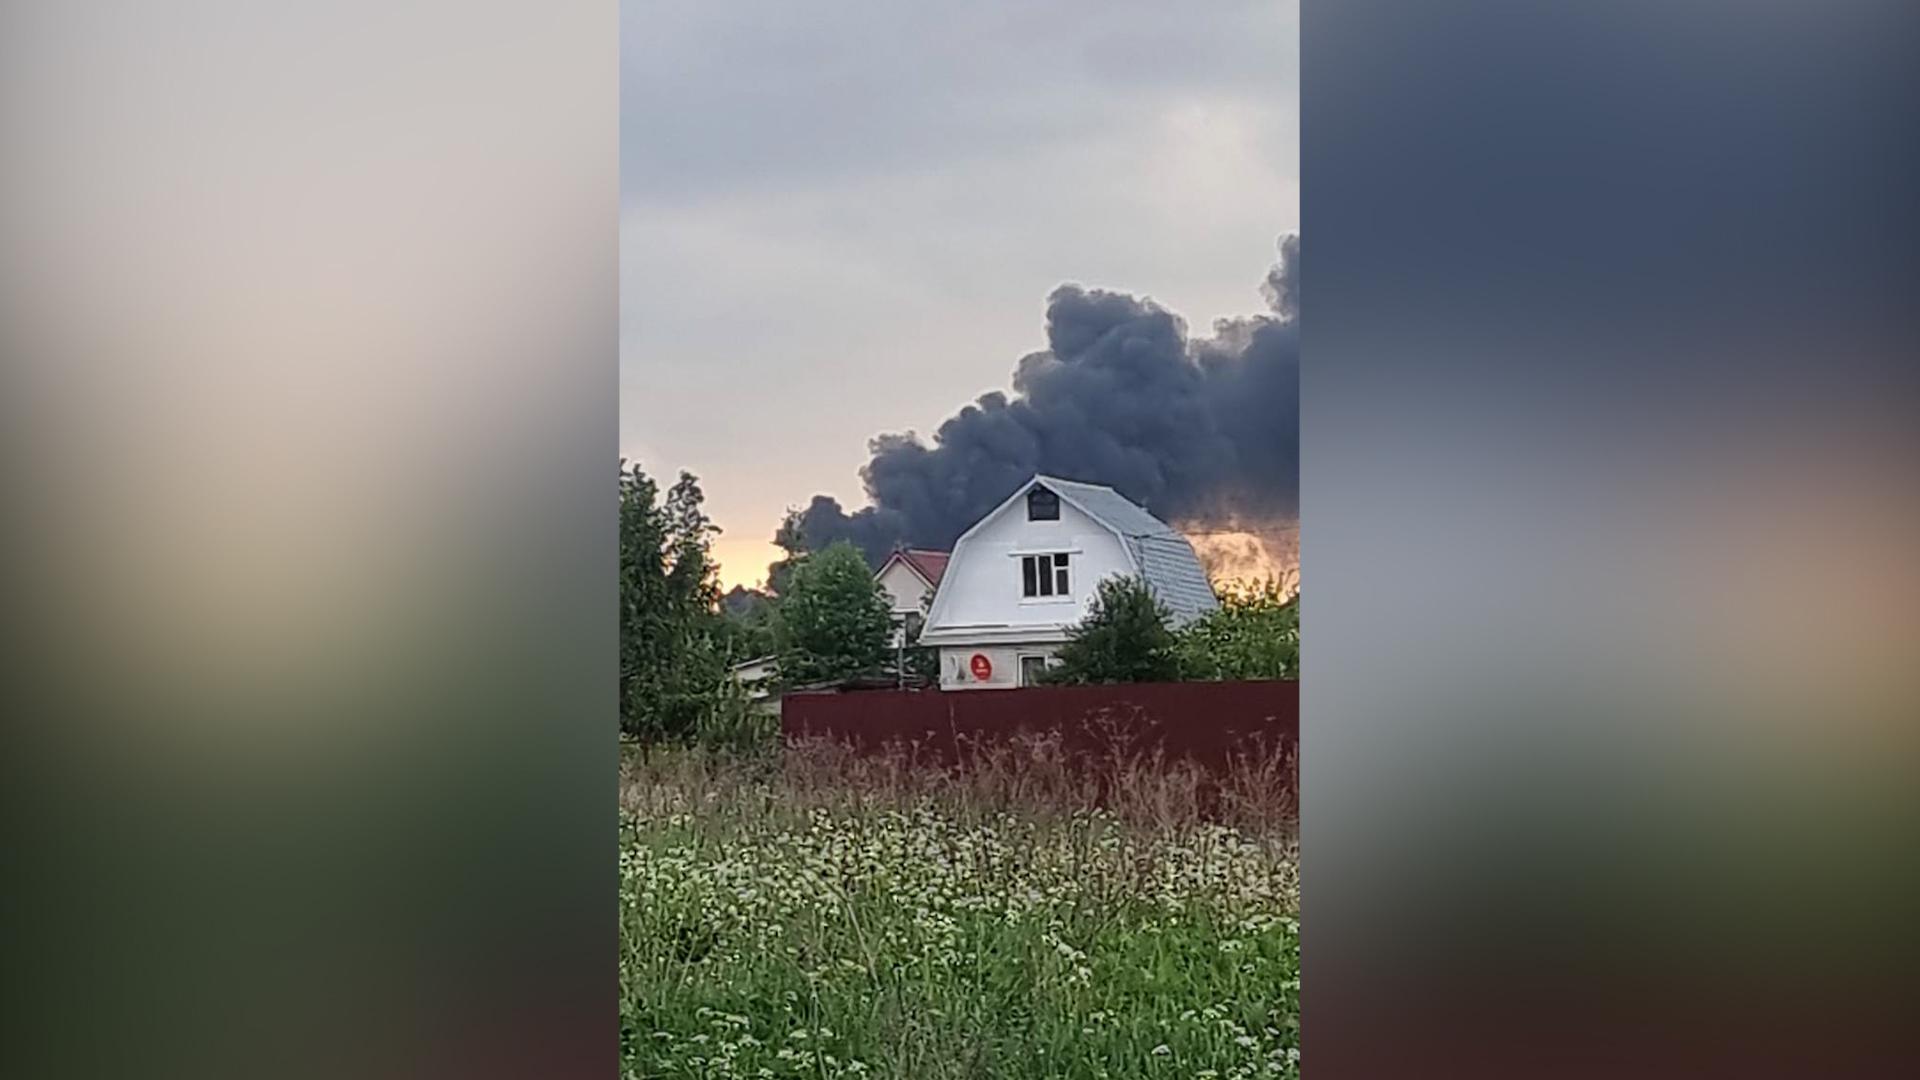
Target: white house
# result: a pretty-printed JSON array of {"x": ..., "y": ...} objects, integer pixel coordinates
[
  {"x": 1028, "y": 570},
  {"x": 910, "y": 577}
]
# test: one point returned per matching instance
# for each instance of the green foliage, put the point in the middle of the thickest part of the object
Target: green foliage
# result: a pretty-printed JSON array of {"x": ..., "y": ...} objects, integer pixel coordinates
[
  {"x": 1255, "y": 634},
  {"x": 671, "y": 667},
  {"x": 1124, "y": 638},
  {"x": 875, "y": 938},
  {"x": 920, "y": 661},
  {"x": 833, "y": 620},
  {"x": 735, "y": 726},
  {"x": 745, "y": 630}
]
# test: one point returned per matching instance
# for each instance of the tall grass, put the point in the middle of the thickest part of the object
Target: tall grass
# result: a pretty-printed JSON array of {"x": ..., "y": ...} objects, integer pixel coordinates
[{"x": 814, "y": 913}]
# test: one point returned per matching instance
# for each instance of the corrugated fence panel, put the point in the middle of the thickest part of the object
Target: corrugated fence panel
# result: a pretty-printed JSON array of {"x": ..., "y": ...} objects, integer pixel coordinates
[{"x": 1206, "y": 722}]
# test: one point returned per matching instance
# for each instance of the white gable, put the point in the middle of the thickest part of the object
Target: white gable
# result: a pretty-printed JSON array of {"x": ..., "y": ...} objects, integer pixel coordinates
[
  {"x": 906, "y": 589},
  {"x": 980, "y": 596}
]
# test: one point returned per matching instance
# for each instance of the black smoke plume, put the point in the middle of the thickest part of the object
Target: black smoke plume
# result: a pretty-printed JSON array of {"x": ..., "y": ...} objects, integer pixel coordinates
[{"x": 1201, "y": 431}]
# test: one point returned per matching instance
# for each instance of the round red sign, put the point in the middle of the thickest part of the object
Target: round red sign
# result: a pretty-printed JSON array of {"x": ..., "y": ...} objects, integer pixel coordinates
[{"x": 982, "y": 667}]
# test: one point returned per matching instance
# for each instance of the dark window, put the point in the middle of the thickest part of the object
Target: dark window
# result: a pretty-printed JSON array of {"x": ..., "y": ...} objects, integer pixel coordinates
[
  {"x": 1044, "y": 575},
  {"x": 1042, "y": 505},
  {"x": 1030, "y": 669}
]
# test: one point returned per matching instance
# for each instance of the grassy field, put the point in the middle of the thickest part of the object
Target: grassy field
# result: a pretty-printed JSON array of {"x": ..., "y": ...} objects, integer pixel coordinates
[{"x": 818, "y": 916}]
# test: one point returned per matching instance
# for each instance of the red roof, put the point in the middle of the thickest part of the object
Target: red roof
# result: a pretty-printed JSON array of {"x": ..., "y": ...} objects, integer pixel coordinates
[{"x": 930, "y": 564}]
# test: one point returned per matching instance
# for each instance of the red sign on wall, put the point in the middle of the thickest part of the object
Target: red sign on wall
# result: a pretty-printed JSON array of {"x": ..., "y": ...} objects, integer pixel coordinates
[{"x": 982, "y": 667}]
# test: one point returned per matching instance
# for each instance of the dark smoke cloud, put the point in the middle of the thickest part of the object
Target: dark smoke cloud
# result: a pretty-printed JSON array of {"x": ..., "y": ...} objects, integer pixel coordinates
[{"x": 1202, "y": 430}]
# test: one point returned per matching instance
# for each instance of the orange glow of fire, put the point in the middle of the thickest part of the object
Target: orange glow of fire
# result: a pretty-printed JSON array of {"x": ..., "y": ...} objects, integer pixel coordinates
[{"x": 1244, "y": 556}]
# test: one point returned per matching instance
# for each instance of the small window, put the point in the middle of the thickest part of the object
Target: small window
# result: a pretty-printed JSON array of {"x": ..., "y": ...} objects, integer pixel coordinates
[
  {"x": 1042, "y": 505},
  {"x": 1031, "y": 668},
  {"x": 1045, "y": 575}
]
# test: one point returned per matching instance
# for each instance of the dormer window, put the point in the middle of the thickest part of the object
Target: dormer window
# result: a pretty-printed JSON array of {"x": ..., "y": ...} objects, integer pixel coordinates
[{"x": 1042, "y": 505}]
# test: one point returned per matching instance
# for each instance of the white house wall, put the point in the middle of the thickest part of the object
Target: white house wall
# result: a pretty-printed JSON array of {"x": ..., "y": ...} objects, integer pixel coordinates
[
  {"x": 982, "y": 585},
  {"x": 905, "y": 590},
  {"x": 959, "y": 665}
]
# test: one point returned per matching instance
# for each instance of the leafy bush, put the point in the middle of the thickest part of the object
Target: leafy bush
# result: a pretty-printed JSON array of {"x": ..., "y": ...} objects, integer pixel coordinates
[
  {"x": 833, "y": 621},
  {"x": 746, "y": 624},
  {"x": 920, "y": 662},
  {"x": 1255, "y": 634},
  {"x": 1124, "y": 638},
  {"x": 735, "y": 725}
]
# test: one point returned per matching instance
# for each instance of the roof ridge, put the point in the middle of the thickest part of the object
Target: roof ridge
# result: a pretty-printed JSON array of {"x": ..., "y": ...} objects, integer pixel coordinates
[
  {"x": 1140, "y": 516},
  {"x": 929, "y": 563},
  {"x": 1075, "y": 483}
]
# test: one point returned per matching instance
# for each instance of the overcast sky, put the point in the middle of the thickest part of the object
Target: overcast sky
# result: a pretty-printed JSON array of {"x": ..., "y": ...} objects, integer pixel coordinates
[{"x": 844, "y": 218}]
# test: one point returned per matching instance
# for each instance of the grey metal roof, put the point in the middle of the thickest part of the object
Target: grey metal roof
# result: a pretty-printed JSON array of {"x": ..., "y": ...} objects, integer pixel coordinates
[
  {"x": 1166, "y": 559},
  {"x": 1113, "y": 509},
  {"x": 1175, "y": 575}
]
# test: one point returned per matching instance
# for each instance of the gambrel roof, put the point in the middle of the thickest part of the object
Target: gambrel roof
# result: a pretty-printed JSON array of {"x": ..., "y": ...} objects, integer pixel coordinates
[
  {"x": 1154, "y": 550},
  {"x": 1164, "y": 557}
]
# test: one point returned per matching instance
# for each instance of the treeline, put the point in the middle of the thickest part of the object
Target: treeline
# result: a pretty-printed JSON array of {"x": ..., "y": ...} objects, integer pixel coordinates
[{"x": 680, "y": 637}]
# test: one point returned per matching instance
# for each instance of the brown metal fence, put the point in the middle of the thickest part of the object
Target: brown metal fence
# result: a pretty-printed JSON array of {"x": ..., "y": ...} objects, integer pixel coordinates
[{"x": 1204, "y": 722}]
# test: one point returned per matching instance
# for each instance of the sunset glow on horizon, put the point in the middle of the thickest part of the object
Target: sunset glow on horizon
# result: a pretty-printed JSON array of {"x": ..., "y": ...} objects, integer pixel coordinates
[{"x": 743, "y": 560}]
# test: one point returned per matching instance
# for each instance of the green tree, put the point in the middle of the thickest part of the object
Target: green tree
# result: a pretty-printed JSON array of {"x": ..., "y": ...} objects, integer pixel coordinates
[
  {"x": 922, "y": 662},
  {"x": 746, "y": 624},
  {"x": 832, "y": 621},
  {"x": 1124, "y": 638},
  {"x": 670, "y": 668},
  {"x": 1255, "y": 634},
  {"x": 691, "y": 573}
]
